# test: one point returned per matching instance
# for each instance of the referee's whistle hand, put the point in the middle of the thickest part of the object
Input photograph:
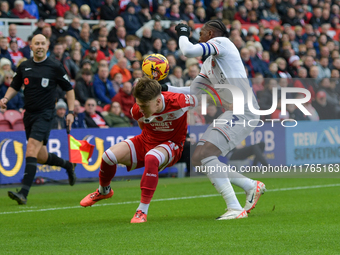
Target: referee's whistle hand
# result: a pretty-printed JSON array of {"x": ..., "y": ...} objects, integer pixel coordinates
[
  {"x": 69, "y": 120},
  {"x": 3, "y": 103}
]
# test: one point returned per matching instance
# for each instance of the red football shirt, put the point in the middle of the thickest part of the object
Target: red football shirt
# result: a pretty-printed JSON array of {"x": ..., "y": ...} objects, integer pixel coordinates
[{"x": 171, "y": 123}]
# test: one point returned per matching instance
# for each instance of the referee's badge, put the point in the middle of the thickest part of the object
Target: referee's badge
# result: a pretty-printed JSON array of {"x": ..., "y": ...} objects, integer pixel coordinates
[{"x": 44, "y": 82}]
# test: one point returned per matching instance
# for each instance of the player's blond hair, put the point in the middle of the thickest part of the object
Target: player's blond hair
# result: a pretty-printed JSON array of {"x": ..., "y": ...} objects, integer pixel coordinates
[{"x": 146, "y": 89}]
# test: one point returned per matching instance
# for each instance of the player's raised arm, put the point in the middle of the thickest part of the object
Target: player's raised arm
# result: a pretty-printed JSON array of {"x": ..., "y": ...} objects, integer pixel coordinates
[{"x": 211, "y": 29}]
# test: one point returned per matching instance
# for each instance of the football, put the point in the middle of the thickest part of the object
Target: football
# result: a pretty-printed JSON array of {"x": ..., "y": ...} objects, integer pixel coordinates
[{"x": 156, "y": 67}]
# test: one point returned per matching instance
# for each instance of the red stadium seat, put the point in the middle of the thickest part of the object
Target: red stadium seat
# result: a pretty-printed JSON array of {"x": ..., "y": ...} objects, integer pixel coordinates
[
  {"x": 1, "y": 116},
  {"x": 99, "y": 108},
  {"x": 106, "y": 108},
  {"x": 18, "y": 125},
  {"x": 12, "y": 116},
  {"x": 5, "y": 125}
]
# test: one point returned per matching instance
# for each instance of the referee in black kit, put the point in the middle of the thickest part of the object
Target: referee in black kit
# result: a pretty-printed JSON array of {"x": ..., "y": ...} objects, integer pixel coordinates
[{"x": 40, "y": 75}]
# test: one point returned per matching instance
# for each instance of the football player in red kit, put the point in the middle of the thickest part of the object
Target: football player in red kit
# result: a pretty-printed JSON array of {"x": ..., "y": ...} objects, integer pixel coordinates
[{"x": 162, "y": 117}]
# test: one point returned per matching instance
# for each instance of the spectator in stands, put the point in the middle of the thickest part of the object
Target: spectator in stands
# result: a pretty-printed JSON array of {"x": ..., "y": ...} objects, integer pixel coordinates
[
  {"x": 176, "y": 77},
  {"x": 241, "y": 15},
  {"x": 20, "y": 12},
  {"x": 93, "y": 118},
  {"x": 129, "y": 53},
  {"x": 95, "y": 50},
  {"x": 47, "y": 32},
  {"x": 302, "y": 82},
  {"x": 108, "y": 11},
  {"x": 12, "y": 32},
  {"x": 144, "y": 14},
  {"x": 85, "y": 12},
  {"x": 84, "y": 86},
  {"x": 316, "y": 20},
  {"x": 248, "y": 63},
  {"x": 73, "y": 28},
  {"x": 17, "y": 102},
  {"x": 117, "y": 82},
  {"x": 193, "y": 71},
  {"x": 324, "y": 71},
  {"x": 64, "y": 58},
  {"x": 13, "y": 50},
  {"x": 125, "y": 98},
  {"x": 257, "y": 83},
  {"x": 156, "y": 47},
  {"x": 282, "y": 68},
  {"x": 119, "y": 22},
  {"x": 265, "y": 97},
  {"x": 118, "y": 54},
  {"x": 58, "y": 28},
  {"x": 174, "y": 13},
  {"x": 45, "y": 10},
  {"x": 131, "y": 21},
  {"x": 229, "y": 10},
  {"x": 58, "y": 121},
  {"x": 116, "y": 118},
  {"x": 79, "y": 119},
  {"x": 84, "y": 40},
  {"x": 329, "y": 87},
  {"x": 188, "y": 14},
  {"x": 213, "y": 9},
  {"x": 294, "y": 65},
  {"x": 32, "y": 8},
  {"x": 121, "y": 34},
  {"x": 26, "y": 51},
  {"x": 103, "y": 88},
  {"x": 324, "y": 109},
  {"x": 73, "y": 12},
  {"x": 160, "y": 14},
  {"x": 158, "y": 32},
  {"x": 40, "y": 24},
  {"x": 104, "y": 48},
  {"x": 4, "y": 53},
  {"x": 170, "y": 31},
  {"x": 200, "y": 15},
  {"x": 62, "y": 7},
  {"x": 5, "y": 12},
  {"x": 171, "y": 48},
  {"x": 146, "y": 41},
  {"x": 121, "y": 67},
  {"x": 136, "y": 74}
]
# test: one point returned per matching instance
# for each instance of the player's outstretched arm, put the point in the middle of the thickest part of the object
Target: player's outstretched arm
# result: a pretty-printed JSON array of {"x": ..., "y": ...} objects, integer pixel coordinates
[{"x": 188, "y": 49}]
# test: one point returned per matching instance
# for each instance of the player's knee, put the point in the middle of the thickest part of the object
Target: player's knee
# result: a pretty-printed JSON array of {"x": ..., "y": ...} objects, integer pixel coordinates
[
  {"x": 109, "y": 157},
  {"x": 155, "y": 157}
]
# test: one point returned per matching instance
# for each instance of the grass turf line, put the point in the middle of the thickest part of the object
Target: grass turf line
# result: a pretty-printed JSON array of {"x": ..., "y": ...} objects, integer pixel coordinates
[{"x": 302, "y": 222}]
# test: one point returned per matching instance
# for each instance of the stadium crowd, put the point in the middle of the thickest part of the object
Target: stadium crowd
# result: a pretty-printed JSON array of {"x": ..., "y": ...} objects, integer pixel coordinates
[{"x": 281, "y": 42}]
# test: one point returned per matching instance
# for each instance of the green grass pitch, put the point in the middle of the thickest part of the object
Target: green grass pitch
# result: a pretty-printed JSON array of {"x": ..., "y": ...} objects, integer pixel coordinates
[{"x": 295, "y": 216}]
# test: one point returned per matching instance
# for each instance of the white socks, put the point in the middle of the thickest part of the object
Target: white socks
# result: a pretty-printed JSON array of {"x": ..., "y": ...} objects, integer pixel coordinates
[
  {"x": 104, "y": 190},
  {"x": 241, "y": 181},
  {"x": 221, "y": 182},
  {"x": 144, "y": 208}
]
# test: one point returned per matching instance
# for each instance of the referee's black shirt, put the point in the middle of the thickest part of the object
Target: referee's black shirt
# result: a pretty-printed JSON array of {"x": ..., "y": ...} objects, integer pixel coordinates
[{"x": 40, "y": 80}]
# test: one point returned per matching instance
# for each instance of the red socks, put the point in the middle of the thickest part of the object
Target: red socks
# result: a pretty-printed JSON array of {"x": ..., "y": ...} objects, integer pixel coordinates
[{"x": 149, "y": 179}]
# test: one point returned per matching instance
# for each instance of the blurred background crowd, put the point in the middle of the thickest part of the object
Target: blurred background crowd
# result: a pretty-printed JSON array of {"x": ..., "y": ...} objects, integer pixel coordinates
[{"x": 282, "y": 43}]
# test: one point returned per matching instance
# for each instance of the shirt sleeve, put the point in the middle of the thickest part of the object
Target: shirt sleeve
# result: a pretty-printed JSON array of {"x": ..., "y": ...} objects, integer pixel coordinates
[
  {"x": 136, "y": 114},
  {"x": 187, "y": 101},
  {"x": 63, "y": 79},
  {"x": 17, "y": 80},
  {"x": 196, "y": 50}
]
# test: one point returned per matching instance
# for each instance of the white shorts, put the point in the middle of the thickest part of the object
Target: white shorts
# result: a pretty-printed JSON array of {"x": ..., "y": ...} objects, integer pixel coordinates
[{"x": 226, "y": 136}]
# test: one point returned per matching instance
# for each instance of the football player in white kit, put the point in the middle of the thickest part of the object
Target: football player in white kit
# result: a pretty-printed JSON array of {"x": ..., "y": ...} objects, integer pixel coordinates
[{"x": 223, "y": 66}]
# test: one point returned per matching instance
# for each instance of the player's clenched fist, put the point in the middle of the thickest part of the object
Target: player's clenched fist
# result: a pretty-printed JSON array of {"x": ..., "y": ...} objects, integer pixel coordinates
[{"x": 183, "y": 29}]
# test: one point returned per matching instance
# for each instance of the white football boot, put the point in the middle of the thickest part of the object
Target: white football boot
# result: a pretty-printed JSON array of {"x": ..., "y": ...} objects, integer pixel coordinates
[
  {"x": 253, "y": 195},
  {"x": 233, "y": 214}
]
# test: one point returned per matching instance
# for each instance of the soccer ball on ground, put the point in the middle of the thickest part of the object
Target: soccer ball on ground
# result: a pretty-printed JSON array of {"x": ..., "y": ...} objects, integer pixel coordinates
[{"x": 156, "y": 67}]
